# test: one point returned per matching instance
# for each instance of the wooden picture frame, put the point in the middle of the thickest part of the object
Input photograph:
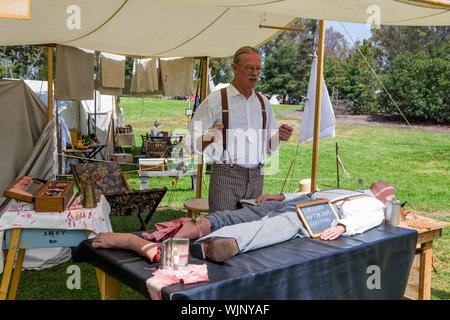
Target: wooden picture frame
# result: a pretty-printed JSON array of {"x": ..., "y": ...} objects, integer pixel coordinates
[{"x": 324, "y": 212}]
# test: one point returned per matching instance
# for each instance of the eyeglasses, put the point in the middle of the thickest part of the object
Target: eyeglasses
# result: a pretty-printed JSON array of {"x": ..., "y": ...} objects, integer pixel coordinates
[{"x": 250, "y": 69}]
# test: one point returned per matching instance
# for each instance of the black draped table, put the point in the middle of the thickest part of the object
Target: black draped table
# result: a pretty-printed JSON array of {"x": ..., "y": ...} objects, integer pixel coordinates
[{"x": 372, "y": 265}]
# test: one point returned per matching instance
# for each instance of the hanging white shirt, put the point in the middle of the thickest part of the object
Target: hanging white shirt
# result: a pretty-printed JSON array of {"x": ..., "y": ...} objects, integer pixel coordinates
[{"x": 246, "y": 144}]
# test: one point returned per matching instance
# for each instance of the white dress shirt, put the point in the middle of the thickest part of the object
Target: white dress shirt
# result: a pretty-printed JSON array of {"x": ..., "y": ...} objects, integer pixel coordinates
[
  {"x": 154, "y": 131},
  {"x": 246, "y": 145},
  {"x": 358, "y": 214}
]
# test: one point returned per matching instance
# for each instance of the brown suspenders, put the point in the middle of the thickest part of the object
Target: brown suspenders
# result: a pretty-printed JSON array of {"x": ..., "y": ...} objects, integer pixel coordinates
[{"x": 223, "y": 92}]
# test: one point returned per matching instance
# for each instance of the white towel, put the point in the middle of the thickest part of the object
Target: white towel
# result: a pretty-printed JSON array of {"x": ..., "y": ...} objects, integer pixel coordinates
[
  {"x": 177, "y": 76},
  {"x": 74, "y": 74},
  {"x": 145, "y": 75},
  {"x": 112, "y": 69}
]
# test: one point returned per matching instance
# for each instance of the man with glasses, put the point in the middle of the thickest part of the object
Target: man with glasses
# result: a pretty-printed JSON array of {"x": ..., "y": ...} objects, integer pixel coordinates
[{"x": 236, "y": 127}]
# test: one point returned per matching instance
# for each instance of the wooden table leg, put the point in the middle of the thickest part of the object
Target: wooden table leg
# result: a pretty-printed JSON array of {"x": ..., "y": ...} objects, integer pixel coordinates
[
  {"x": 425, "y": 270},
  {"x": 143, "y": 183},
  {"x": 16, "y": 275},
  {"x": 9, "y": 263},
  {"x": 109, "y": 286}
]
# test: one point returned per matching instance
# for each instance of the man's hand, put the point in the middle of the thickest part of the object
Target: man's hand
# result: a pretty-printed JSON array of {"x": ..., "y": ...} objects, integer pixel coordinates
[
  {"x": 333, "y": 232},
  {"x": 285, "y": 132},
  {"x": 269, "y": 197},
  {"x": 214, "y": 134}
]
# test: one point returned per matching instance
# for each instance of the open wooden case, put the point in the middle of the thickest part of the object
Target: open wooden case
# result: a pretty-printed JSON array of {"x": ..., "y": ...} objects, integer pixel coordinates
[
  {"x": 25, "y": 189},
  {"x": 54, "y": 196}
]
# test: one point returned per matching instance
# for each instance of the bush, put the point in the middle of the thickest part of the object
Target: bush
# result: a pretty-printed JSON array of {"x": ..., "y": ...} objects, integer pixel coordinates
[
  {"x": 419, "y": 84},
  {"x": 354, "y": 80}
]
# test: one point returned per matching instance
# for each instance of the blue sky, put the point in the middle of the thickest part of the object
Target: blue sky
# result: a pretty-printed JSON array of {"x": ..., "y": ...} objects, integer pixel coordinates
[{"x": 358, "y": 31}]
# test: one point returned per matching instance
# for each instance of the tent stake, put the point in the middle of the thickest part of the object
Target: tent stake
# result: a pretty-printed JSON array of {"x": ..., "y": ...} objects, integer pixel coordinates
[{"x": 337, "y": 164}]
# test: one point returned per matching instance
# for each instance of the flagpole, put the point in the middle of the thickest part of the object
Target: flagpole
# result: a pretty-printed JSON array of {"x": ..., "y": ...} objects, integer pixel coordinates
[{"x": 315, "y": 155}]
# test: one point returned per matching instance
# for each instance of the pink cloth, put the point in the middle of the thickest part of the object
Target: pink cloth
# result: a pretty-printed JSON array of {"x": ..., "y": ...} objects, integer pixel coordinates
[
  {"x": 192, "y": 273},
  {"x": 165, "y": 228}
]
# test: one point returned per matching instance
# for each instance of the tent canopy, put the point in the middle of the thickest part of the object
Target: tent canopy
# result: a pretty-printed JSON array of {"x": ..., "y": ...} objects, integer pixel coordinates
[{"x": 192, "y": 28}]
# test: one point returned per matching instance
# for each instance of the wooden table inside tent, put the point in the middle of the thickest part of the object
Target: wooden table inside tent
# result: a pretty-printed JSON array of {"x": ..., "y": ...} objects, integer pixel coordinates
[
  {"x": 144, "y": 175},
  {"x": 419, "y": 282},
  {"x": 22, "y": 228}
]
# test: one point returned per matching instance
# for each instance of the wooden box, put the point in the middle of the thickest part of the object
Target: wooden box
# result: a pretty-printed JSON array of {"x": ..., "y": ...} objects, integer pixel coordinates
[
  {"x": 24, "y": 189},
  {"x": 54, "y": 196},
  {"x": 121, "y": 157},
  {"x": 152, "y": 164}
]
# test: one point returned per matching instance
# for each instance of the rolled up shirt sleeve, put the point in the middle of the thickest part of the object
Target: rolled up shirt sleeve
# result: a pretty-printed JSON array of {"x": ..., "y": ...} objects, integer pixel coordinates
[{"x": 360, "y": 215}]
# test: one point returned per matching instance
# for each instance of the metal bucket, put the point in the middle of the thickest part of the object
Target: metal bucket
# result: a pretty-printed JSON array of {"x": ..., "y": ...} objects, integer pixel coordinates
[{"x": 393, "y": 212}]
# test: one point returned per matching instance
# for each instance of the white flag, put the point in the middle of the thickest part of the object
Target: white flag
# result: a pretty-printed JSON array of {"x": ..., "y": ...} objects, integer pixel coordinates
[{"x": 327, "y": 118}]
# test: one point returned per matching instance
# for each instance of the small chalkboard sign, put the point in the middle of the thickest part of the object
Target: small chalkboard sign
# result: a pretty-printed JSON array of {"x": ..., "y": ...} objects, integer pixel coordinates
[{"x": 316, "y": 216}]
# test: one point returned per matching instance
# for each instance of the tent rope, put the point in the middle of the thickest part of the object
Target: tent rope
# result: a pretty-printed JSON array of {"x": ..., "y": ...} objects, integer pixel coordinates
[
  {"x": 36, "y": 59},
  {"x": 395, "y": 104}
]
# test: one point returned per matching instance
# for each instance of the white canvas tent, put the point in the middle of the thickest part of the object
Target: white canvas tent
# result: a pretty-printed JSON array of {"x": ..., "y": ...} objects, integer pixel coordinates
[
  {"x": 274, "y": 100},
  {"x": 194, "y": 28},
  {"x": 75, "y": 115}
]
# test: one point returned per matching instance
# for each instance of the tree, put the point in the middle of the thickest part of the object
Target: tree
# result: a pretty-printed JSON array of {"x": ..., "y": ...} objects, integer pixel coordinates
[
  {"x": 393, "y": 40},
  {"x": 278, "y": 77},
  {"x": 335, "y": 44},
  {"x": 221, "y": 69},
  {"x": 24, "y": 62},
  {"x": 419, "y": 84},
  {"x": 287, "y": 60},
  {"x": 354, "y": 80}
]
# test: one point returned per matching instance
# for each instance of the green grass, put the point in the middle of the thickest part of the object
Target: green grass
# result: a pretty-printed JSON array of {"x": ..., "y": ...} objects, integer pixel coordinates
[{"x": 368, "y": 153}]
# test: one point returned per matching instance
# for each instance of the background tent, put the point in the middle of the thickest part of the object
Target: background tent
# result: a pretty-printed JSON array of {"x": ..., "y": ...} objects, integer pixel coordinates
[
  {"x": 274, "y": 100},
  {"x": 75, "y": 115},
  {"x": 28, "y": 141}
]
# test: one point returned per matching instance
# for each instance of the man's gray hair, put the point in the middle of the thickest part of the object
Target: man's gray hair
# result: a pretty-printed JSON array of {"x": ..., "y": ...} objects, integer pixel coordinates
[{"x": 245, "y": 49}]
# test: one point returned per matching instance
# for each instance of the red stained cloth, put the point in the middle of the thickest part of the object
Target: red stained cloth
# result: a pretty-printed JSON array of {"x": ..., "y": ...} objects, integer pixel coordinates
[
  {"x": 165, "y": 230},
  {"x": 191, "y": 273}
]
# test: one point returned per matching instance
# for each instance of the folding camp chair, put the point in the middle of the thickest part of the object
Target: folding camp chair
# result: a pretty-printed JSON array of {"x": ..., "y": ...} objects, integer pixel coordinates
[
  {"x": 155, "y": 149},
  {"x": 109, "y": 181}
]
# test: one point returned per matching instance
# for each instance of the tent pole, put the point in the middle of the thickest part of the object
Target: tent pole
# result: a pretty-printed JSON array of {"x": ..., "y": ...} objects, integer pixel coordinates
[
  {"x": 315, "y": 155},
  {"x": 203, "y": 93},
  {"x": 49, "y": 83}
]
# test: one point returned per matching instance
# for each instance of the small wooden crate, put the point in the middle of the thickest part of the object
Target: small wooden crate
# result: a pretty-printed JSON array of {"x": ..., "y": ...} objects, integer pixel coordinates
[
  {"x": 152, "y": 164},
  {"x": 54, "y": 196}
]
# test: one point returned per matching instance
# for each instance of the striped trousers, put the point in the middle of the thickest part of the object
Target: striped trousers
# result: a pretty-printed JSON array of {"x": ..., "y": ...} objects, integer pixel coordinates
[{"x": 230, "y": 184}]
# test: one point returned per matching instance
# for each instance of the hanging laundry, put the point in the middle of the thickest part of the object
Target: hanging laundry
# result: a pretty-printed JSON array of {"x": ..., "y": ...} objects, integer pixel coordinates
[
  {"x": 112, "y": 74},
  {"x": 74, "y": 74},
  {"x": 145, "y": 75},
  {"x": 177, "y": 76}
]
